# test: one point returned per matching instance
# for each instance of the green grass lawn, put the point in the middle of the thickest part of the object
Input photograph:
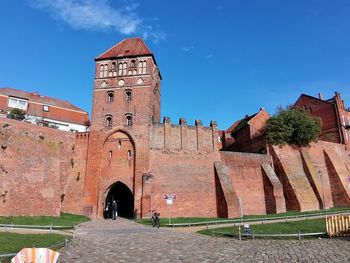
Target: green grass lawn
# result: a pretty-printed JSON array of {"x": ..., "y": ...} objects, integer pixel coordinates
[
  {"x": 13, "y": 243},
  {"x": 305, "y": 226},
  {"x": 179, "y": 220},
  {"x": 63, "y": 220},
  {"x": 295, "y": 213}
]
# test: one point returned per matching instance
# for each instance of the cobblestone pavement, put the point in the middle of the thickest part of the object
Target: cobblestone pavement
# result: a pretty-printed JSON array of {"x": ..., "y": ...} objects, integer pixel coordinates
[{"x": 126, "y": 241}]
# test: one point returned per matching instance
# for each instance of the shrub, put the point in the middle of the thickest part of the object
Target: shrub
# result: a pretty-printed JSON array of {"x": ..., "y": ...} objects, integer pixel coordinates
[{"x": 16, "y": 114}]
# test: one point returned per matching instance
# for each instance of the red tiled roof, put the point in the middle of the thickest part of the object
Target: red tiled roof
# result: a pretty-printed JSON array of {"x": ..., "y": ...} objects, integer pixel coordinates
[
  {"x": 247, "y": 119},
  {"x": 127, "y": 48},
  {"x": 35, "y": 97},
  {"x": 233, "y": 126}
]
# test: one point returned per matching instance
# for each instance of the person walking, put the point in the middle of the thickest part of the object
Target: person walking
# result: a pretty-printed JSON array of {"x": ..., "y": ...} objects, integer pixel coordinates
[
  {"x": 114, "y": 210},
  {"x": 155, "y": 219}
]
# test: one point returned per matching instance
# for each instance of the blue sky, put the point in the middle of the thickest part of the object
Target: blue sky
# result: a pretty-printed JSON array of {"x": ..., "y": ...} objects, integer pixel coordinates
[{"x": 220, "y": 59}]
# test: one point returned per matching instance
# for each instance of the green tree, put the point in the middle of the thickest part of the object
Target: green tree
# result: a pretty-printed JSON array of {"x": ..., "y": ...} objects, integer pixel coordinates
[
  {"x": 292, "y": 126},
  {"x": 16, "y": 114}
]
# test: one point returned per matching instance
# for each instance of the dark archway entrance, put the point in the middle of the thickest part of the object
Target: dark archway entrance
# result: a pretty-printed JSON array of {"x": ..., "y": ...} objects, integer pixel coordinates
[{"x": 124, "y": 198}]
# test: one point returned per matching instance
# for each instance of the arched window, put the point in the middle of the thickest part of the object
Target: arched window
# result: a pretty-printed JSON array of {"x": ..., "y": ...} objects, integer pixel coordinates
[
  {"x": 110, "y": 96},
  {"x": 129, "y": 154},
  {"x": 133, "y": 63},
  {"x": 101, "y": 71},
  {"x": 128, "y": 95},
  {"x": 124, "y": 68},
  {"x": 105, "y": 69},
  {"x": 140, "y": 67},
  {"x": 109, "y": 121},
  {"x": 120, "y": 69},
  {"x": 128, "y": 120},
  {"x": 113, "y": 66},
  {"x": 143, "y": 67}
]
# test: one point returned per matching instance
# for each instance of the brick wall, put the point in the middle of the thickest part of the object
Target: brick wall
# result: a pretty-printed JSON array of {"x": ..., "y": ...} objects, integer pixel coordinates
[
  {"x": 183, "y": 137},
  {"x": 34, "y": 165},
  {"x": 313, "y": 177},
  {"x": 188, "y": 174},
  {"x": 297, "y": 188},
  {"x": 248, "y": 180},
  {"x": 73, "y": 201}
]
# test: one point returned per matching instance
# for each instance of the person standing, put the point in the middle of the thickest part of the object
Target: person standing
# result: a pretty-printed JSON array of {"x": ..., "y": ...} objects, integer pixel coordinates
[
  {"x": 114, "y": 210},
  {"x": 108, "y": 210}
]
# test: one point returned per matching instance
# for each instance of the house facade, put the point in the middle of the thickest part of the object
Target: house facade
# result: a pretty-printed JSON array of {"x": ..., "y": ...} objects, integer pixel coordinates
[
  {"x": 335, "y": 117},
  {"x": 43, "y": 110}
]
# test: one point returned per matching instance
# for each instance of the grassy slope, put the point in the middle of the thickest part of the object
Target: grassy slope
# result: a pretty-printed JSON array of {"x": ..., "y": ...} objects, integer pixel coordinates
[
  {"x": 305, "y": 226},
  {"x": 63, "y": 220},
  {"x": 13, "y": 243}
]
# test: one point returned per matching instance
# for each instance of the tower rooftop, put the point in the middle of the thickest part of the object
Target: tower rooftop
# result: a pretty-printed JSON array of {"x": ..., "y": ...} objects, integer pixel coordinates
[{"x": 128, "y": 47}]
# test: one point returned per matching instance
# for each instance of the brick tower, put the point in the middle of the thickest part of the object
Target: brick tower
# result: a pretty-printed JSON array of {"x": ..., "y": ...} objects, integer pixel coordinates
[
  {"x": 126, "y": 102},
  {"x": 126, "y": 88}
]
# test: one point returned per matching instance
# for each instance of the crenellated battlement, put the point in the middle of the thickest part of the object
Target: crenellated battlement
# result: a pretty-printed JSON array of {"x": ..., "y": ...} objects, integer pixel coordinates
[{"x": 181, "y": 136}]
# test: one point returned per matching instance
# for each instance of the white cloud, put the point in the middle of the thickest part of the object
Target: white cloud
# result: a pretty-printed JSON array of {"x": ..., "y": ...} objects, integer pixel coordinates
[
  {"x": 98, "y": 15},
  {"x": 187, "y": 49},
  {"x": 155, "y": 35},
  {"x": 209, "y": 56}
]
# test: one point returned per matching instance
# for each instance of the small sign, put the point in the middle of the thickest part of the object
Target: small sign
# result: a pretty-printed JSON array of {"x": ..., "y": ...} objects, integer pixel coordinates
[
  {"x": 169, "y": 197},
  {"x": 169, "y": 201}
]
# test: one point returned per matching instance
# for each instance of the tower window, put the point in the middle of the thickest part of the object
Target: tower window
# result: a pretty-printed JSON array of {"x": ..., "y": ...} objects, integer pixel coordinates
[
  {"x": 101, "y": 70},
  {"x": 129, "y": 154},
  {"x": 109, "y": 122},
  {"x": 110, "y": 154},
  {"x": 128, "y": 95},
  {"x": 143, "y": 67},
  {"x": 113, "y": 66},
  {"x": 120, "y": 69},
  {"x": 105, "y": 69},
  {"x": 124, "y": 68},
  {"x": 132, "y": 63},
  {"x": 110, "y": 96},
  {"x": 128, "y": 120}
]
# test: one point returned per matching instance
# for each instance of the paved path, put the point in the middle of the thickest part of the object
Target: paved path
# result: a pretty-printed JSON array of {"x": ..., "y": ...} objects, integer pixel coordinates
[{"x": 126, "y": 241}]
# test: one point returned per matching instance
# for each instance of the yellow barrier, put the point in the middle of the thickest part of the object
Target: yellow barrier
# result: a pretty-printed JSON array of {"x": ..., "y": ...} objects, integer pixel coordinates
[{"x": 338, "y": 225}]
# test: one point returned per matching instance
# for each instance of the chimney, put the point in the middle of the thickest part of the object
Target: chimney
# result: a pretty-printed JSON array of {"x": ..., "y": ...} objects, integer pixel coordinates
[{"x": 320, "y": 96}]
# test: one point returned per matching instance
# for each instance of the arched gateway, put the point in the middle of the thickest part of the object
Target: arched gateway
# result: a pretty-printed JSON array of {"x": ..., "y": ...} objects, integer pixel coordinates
[
  {"x": 120, "y": 193},
  {"x": 117, "y": 173}
]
